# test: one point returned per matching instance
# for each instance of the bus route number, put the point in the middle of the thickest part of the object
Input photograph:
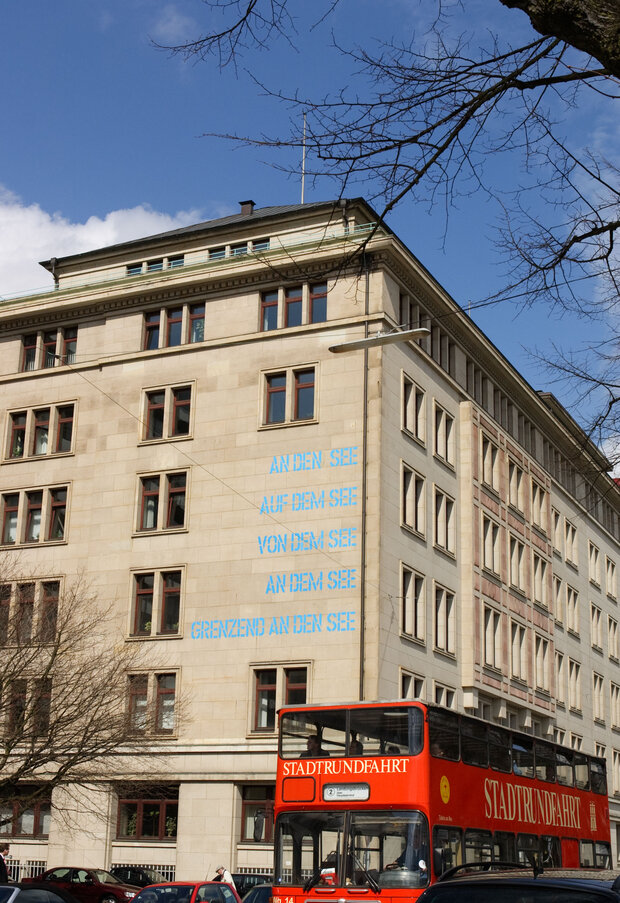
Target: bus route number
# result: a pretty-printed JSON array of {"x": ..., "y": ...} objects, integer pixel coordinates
[{"x": 283, "y": 900}]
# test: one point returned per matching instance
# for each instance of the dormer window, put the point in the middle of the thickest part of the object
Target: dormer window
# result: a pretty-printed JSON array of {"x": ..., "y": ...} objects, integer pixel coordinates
[{"x": 155, "y": 265}]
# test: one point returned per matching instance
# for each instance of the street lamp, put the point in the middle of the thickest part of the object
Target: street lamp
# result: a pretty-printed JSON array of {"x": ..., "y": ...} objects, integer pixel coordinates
[{"x": 381, "y": 338}]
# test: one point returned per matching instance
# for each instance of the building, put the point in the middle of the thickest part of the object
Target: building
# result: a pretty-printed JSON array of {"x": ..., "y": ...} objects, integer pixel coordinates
[{"x": 278, "y": 518}]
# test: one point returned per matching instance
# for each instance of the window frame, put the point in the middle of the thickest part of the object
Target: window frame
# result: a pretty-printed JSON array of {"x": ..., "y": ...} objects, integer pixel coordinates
[
  {"x": 281, "y": 400},
  {"x": 166, "y": 803},
  {"x": 148, "y": 588},
  {"x": 169, "y": 408},
  {"x": 444, "y": 435},
  {"x": 413, "y": 604},
  {"x": 36, "y": 348},
  {"x": 280, "y": 690},
  {"x": 23, "y": 425},
  {"x": 144, "y": 704},
  {"x": 444, "y": 521}
]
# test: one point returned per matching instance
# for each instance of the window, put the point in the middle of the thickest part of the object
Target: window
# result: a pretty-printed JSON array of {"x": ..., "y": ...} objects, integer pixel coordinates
[
  {"x": 444, "y": 522},
  {"x": 151, "y": 703},
  {"x": 596, "y": 627},
  {"x": 515, "y": 486},
  {"x": 614, "y": 711},
  {"x": 51, "y": 348},
  {"x": 413, "y": 604},
  {"x": 414, "y": 409},
  {"x": 542, "y": 663},
  {"x": 574, "y": 685},
  {"x": 445, "y": 618},
  {"x": 293, "y": 306},
  {"x": 492, "y": 638},
  {"x": 594, "y": 564},
  {"x": 412, "y": 686},
  {"x": 22, "y": 818},
  {"x": 413, "y": 500},
  {"x": 518, "y": 636},
  {"x": 598, "y": 697},
  {"x": 289, "y": 396},
  {"x": 273, "y": 686},
  {"x": 444, "y": 696},
  {"x": 539, "y": 567},
  {"x": 490, "y": 545},
  {"x": 152, "y": 818},
  {"x": 539, "y": 506},
  {"x": 556, "y": 530},
  {"x": 490, "y": 463},
  {"x": 570, "y": 536},
  {"x": 444, "y": 435},
  {"x": 558, "y": 599},
  {"x": 155, "y": 265},
  {"x": 560, "y": 680},
  {"x": 169, "y": 327},
  {"x": 610, "y": 574},
  {"x": 167, "y": 413},
  {"x": 612, "y": 637},
  {"x": 34, "y": 516},
  {"x": 517, "y": 563},
  {"x": 162, "y": 502},
  {"x": 572, "y": 609},
  {"x": 257, "y": 813},
  {"x": 156, "y": 605}
]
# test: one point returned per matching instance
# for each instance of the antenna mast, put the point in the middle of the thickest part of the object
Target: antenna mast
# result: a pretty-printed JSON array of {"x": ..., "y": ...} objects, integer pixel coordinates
[{"x": 303, "y": 163}]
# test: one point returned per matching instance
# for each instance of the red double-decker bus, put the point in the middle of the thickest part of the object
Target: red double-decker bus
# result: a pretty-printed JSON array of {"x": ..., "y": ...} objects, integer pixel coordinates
[{"x": 381, "y": 798}]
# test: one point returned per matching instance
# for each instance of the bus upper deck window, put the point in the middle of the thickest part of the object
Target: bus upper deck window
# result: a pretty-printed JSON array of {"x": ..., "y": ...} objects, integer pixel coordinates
[
  {"x": 443, "y": 732},
  {"x": 499, "y": 749}
]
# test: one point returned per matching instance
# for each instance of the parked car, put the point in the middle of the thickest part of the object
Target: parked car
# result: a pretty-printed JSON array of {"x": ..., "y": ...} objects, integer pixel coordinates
[
  {"x": 519, "y": 885},
  {"x": 245, "y": 883},
  {"x": 260, "y": 893},
  {"x": 137, "y": 876},
  {"x": 87, "y": 885},
  {"x": 31, "y": 891},
  {"x": 188, "y": 892}
]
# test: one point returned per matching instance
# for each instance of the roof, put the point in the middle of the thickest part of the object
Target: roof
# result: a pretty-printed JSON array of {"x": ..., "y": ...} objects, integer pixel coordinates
[{"x": 259, "y": 214}]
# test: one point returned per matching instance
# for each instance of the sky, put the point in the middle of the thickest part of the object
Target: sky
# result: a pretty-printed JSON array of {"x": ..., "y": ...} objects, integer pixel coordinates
[{"x": 105, "y": 138}]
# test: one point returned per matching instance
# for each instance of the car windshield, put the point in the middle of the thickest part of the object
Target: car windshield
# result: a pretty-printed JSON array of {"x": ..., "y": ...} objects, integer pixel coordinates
[
  {"x": 518, "y": 893},
  {"x": 155, "y": 877},
  {"x": 104, "y": 877},
  {"x": 166, "y": 893}
]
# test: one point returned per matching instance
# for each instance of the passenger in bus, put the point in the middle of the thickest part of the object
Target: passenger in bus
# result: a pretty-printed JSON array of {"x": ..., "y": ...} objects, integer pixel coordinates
[
  {"x": 356, "y": 747},
  {"x": 314, "y": 749}
]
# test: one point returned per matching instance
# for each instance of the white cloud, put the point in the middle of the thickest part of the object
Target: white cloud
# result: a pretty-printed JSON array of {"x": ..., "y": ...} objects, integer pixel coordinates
[
  {"x": 29, "y": 234},
  {"x": 173, "y": 27}
]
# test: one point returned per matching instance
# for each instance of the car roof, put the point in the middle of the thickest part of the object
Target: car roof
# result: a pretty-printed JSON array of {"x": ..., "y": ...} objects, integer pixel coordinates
[{"x": 604, "y": 880}]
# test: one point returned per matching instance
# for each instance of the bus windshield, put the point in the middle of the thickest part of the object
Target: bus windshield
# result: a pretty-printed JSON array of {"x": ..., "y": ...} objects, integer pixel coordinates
[
  {"x": 373, "y": 731},
  {"x": 361, "y": 848}
]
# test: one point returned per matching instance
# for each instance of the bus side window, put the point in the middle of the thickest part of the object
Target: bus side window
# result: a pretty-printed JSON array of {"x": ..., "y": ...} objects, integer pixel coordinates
[
  {"x": 522, "y": 756},
  {"x": 499, "y": 749},
  {"x": 550, "y": 852},
  {"x": 598, "y": 777},
  {"x": 545, "y": 761},
  {"x": 504, "y": 846},
  {"x": 474, "y": 746},
  {"x": 564, "y": 767},
  {"x": 582, "y": 774},
  {"x": 443, "y": 733},
  {"x": 527, "y": 848},
  {"x": 478, "y": 846},
  {"x": 447, "y": 849},
  {"x": 586, "y": 854}
]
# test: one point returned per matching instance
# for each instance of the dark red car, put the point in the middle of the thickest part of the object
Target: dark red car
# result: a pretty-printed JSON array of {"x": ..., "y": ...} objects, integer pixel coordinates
[
  {"x": 89, "y": 885},
  {"x": 188, "y": 892}
]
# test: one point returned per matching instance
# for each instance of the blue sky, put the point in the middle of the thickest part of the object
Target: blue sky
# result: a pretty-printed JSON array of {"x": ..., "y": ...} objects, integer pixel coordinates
[{"x": 103, "y": 141}]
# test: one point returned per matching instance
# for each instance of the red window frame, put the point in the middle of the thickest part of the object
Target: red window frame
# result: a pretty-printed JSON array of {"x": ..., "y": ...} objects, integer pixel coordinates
[
  {"x": 29, "y": 352},
  {"x": 174, "y": 318},
  {"x": 295, "y": 686},
  {"x": 34, "y": 503},
  {"x": 266, "y": 691},
  {"x": 10, "y": 506},
  {"x": 168, "y": 816},
  {"x": 17, "y": 442},
  {"x": 138, "y": 692},
  {"x": 251, "y": 806},
  {"x": 268, "y": 301},
  {"x": 196, "y": 316},
  {"x": 177, "y": 486},
  {"x": 42, "y": 706},
  {"x": 64, "y": 428},
  {"x": 19, "y": 809},
  {"x": 170, "y": 595},
  {"x": 153, "y": 406},
  {"x": 152, "y": 324},
  {"x": 149, "y": 490},
  {"x": 69, "y": 344},
  {"x": 144, "y": 588},
  {"x": 162, "y": 693},
  {"x": 18, "y": 697},
  {"x": 57, "y": 514},
  {"x": 293, "y": 298},
  {"x": 24, "y": 617},
  {"x": 181, "y": 402},
  {"x": 303, "y": 387},
  {"x": 48, "y": 618},
  {"x": 273, "y": 391},
  {"x": 41, "y": 428},
  {"x": 318, "y": 292},
  {"x": 5, "y": 611},
  {"x": 50, "y": 341}
]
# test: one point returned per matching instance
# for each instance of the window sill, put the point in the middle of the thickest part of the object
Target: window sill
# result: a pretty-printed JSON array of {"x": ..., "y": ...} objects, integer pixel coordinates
[
  {"x": 31, "y": 458},
  {"x": 137, "y": 638},
  {"x": 164, "y": 439},
  {"x": 446, "y": 552},
  {"x": 34, "y": 545},
  {"x": 163, "y": 532},
  {"x": 142, "y": 841},
  {"x": 413, "y": 532},
  {"x": 445, "y": 653},
  {"x": 416, "y": 641},
  {"x": 287, "y": 423},
  {"x": 418, "y": 441},
  {"x": 444, "y": 462}
]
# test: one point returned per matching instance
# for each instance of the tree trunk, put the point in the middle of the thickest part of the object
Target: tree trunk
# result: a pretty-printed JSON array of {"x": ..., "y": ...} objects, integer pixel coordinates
[{"x": 590, "y": 25}]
